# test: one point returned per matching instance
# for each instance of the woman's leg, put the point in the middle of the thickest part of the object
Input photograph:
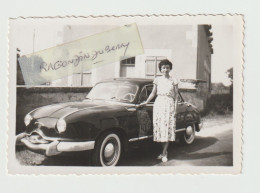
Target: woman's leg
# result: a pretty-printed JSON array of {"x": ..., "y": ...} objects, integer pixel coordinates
[{"x": 165, "y": 147}]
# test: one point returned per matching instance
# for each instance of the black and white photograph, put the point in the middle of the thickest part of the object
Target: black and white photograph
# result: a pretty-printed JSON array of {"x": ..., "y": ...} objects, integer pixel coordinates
[{"x": 158, "y": 94}]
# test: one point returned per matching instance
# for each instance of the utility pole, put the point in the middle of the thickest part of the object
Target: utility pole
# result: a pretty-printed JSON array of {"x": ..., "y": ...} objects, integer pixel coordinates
[{"x": 33, "y": 47}]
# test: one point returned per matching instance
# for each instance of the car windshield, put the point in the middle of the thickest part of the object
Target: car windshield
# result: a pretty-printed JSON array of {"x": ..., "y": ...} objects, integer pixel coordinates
[{"x": 116, "y": 91}]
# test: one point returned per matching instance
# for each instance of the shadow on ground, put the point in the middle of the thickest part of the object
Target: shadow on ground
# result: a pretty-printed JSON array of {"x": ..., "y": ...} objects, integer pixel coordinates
[
  {"x": 147, "y": 154},
  {"x": 140, "y": 154}
]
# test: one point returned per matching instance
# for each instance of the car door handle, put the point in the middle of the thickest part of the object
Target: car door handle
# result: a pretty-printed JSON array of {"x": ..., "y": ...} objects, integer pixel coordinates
[{"x": 131, "y": 109}]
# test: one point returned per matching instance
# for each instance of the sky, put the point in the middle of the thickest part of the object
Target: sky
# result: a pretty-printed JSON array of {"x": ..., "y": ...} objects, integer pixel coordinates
[{"x": 222, "y": 57}]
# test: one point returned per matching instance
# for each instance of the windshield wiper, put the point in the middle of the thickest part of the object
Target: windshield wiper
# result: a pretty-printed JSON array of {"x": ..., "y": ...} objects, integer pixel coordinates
[{"x": 115, "y": 98}]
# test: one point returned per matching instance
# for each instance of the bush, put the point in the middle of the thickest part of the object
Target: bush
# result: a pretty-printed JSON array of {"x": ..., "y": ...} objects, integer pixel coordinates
[{"x": 220, "y": 104}]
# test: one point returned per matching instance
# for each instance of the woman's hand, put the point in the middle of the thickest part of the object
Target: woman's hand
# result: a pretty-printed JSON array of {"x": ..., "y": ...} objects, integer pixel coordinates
[
  {"x": 143, "y": 104},
  {"x": 174, "y": 114}
]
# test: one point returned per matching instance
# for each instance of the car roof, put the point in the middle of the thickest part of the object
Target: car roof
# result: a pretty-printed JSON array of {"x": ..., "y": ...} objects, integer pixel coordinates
[{"x": 138, "y": 81}]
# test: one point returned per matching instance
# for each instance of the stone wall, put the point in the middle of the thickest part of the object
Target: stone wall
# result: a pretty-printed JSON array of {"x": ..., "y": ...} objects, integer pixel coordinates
[
  {"x": 220, "y": 104},
  {"x": 30, "y": 98},
  {"x": 193, "y": 97}
]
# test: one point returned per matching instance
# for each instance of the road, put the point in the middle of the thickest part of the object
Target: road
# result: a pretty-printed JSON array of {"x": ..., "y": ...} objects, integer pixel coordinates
[{"x": 213, "y": 146}]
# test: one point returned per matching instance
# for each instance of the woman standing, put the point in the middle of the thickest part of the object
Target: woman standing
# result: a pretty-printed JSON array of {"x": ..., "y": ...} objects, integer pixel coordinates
[{"x": 164, "y": 110}]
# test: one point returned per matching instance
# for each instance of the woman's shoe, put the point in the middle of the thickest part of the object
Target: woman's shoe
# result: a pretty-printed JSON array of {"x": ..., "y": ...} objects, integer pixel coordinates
[
  {"x": 164, "y": 159},
  {"x": 161, "y": 156}
]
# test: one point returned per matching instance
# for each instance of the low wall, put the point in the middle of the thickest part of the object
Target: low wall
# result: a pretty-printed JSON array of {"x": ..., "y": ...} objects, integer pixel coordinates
[
  {"x": 30, "y": 98},
  {"x": 220, "y": 103},
  {"x": 193, "y": 97}
]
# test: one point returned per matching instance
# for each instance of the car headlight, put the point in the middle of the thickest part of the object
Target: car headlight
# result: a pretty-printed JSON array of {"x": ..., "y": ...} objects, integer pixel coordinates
[
  {"x": 27, "y": 119},
  {"x": 61, "y": 125}
]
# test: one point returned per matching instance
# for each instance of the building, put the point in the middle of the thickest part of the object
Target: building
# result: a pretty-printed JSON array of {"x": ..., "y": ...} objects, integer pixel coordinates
[{"x": 187, "y": 46}]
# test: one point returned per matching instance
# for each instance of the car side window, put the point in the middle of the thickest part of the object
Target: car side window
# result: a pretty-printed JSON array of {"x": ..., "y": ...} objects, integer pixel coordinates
[
  {"x": 149, "y": 90},
  {"x": 146, "y": 91}
]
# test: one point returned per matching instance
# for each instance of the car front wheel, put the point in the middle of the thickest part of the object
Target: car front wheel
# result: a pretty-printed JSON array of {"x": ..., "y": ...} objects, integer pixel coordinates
[
  {"x": 189, "y": 135},
  {"x": 107, "y": 150}
]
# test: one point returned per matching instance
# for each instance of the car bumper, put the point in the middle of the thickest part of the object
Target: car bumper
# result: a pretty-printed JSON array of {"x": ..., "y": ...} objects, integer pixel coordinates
[{"x": 55, "y": 147}]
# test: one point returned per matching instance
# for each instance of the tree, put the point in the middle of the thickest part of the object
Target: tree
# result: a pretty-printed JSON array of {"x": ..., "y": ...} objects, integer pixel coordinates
[
  {"x": 19, "y": 76},
  {"x": 230, "y": 76}
]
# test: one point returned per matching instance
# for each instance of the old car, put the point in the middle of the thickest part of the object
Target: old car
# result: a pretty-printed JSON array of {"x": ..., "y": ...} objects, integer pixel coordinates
[{"x": 106, "y": 122}]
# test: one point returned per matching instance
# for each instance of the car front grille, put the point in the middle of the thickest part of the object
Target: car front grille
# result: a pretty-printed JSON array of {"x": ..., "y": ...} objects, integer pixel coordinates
[{"x": 35, "y": 138}]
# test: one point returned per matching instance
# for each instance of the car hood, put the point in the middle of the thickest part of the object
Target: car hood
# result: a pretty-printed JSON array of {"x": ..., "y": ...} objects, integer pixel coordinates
[{"x": 64, "y": 109}]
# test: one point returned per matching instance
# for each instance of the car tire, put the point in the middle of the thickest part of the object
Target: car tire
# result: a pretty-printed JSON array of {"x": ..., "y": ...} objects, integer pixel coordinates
[
  {"x": 189, "y": 135},
  {"x": 107, "y": 150}
]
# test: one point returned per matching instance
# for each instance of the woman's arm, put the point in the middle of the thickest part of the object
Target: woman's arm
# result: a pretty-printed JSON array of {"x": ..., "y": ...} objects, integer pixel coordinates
[
  {"x": 151, "y": 96},
  {"x": 153, "y": 93}
]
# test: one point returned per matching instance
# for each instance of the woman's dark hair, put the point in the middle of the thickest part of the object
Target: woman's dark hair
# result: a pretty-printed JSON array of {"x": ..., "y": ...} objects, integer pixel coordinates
[{"x": 165, "y": 62}]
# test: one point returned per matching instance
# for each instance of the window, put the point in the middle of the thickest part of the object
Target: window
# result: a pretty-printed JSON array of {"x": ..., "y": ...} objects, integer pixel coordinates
[
  {"x": 151, "y": 66},
  {"x": 115, "y": 91},
  {"x": 74, "y": 80},
  {"x": 81, "y": 79},
  {"x": 127, "y": 67},
  {"x": 129, "y": 61}
]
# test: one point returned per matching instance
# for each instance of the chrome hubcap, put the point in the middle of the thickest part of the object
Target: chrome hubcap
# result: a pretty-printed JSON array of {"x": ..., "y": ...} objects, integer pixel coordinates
[
  {"x": 189, "y": 130},
  {"x": 189, "y": 135},
  {"x": 109, "y": 150}
]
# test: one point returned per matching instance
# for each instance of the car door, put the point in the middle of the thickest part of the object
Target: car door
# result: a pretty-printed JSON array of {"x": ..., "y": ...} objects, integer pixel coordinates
[
  {"x": 145, "y": 113},
  {"x": 181, "y": 112}
]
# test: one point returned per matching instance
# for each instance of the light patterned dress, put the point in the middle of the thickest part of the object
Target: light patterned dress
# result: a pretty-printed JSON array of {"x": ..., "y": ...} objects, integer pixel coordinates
[{"x": 164, "y": 123}]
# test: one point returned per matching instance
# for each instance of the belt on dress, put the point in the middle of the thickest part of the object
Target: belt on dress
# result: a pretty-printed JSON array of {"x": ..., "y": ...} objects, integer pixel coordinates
[{"x": 166, "y": 95}]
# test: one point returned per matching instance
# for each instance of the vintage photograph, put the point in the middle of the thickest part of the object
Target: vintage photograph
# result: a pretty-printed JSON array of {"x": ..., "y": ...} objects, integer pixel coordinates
[{"x": 156, "y": 94}]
